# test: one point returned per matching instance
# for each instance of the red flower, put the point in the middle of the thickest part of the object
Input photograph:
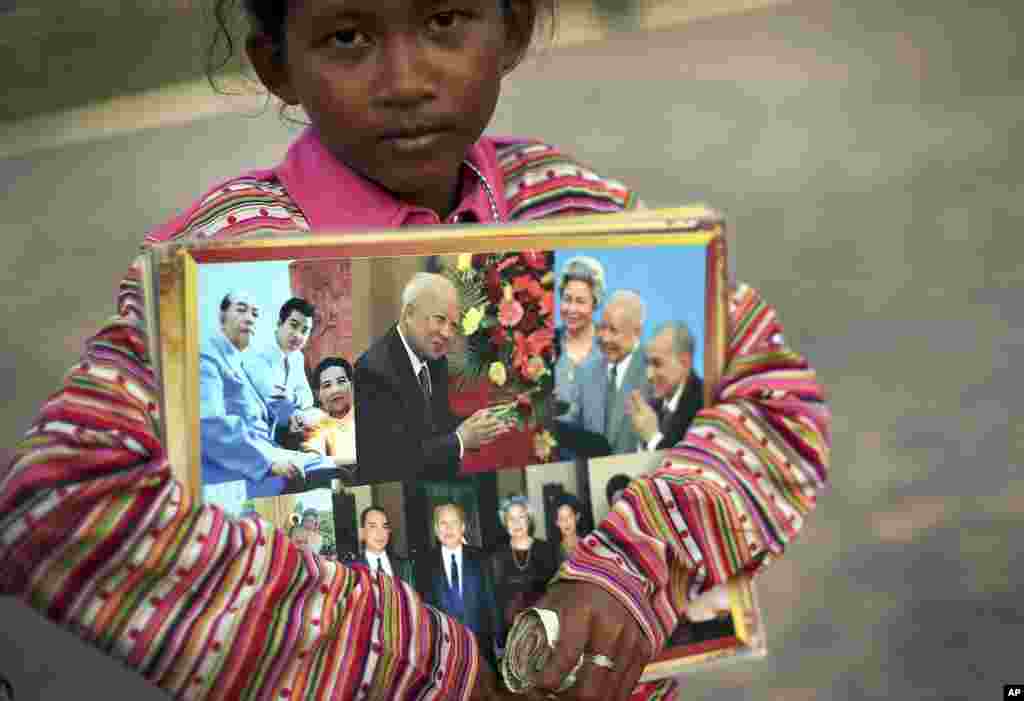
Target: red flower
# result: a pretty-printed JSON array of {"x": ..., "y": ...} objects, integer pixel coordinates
[
  {"x": 498, "y": 336},
  {"x": 524, "y": 405},
  {"x": 540, "y": 341},
  {"x": 521, "y": 353},
  {"x": 535, "y": 259},
  {"x": 530, "y": 322},
  {"x": 507, "y": 263},
  {"x": 510, "y": 313},
  {"x": 547, "y": 303},
  {"x": 535, "y": 367},
  {"x": 528, "y": 284},
  {"x": 493, "y": 284}
]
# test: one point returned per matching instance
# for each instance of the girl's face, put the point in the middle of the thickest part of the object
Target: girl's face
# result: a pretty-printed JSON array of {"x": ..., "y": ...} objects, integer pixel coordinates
[
  {"x": 335, "y": 391},
  {"x": 566, "y": 520},
  {"x": 397, "y": 89}
]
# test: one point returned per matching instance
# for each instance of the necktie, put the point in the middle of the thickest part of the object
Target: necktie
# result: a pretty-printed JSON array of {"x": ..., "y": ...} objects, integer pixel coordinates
[
  {"x": 286, "y": 370},
  {"x": 424, "y": 376},
  {"x": 661, "y": 411},
  {"x": 455, "y": 577},
  {"x": 612, "y": 404}
]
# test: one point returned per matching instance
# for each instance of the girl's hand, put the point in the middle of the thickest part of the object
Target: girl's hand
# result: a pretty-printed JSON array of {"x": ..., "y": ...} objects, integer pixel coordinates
[
  {"x": 488, "y": 688},
  {"x": 594, "y": 624}
]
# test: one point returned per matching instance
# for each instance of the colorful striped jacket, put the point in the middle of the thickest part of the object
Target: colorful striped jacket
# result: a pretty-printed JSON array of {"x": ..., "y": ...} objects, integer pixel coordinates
[{"x": 96, "y": 533}]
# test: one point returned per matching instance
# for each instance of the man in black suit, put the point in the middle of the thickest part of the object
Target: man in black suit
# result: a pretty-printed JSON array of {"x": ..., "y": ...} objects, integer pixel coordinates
[
  {"x": 456, "y": 579},
  {"x": 406, "y": 429},
  {"x": 677, "y": 389},
  {"x": 375, "y": 536}
]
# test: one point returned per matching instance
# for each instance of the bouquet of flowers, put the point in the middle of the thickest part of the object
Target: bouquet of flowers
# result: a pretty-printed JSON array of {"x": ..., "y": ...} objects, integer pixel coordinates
[{"x": 508, "y": 324}]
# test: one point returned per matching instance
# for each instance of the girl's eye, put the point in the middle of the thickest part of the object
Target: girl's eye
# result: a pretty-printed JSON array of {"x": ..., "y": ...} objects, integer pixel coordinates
[
  {"x": 349, "y": 39},
  {"x": 445, "y": 21}
]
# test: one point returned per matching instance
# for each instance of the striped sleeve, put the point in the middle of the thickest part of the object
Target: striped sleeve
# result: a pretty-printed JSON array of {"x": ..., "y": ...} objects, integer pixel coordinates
[
  {"x": 96, "y": 534},
  {"x": 245, "y": 204},
  {"x": 541, "y": 181},
  {"x": 732, "y": 495}
]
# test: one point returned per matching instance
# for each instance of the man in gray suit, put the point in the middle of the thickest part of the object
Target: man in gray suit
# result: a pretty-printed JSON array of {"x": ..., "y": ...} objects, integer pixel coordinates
[{"x": 625, "y": 366}]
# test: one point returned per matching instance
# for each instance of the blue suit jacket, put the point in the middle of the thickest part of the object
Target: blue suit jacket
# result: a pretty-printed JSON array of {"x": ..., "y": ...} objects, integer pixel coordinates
[
  {"x": 615, "y": 422},
  {"x": 479, "y": 610},
  {"x": 235, "y": 430},
  {"x": 594, "y": 412}
]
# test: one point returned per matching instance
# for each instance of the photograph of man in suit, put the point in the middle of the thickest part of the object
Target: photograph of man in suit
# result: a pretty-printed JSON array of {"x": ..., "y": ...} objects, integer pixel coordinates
[
  {"x": 456, "y": 579},
  {"x": 625, "y": 366},
  {"x": 279, "y": 368},
  {"x": 235, "y": 424},
  {"x": 676, "y": 388},
  {"x": 375, "y": 537},
  {"x": 406, "y": 429}
]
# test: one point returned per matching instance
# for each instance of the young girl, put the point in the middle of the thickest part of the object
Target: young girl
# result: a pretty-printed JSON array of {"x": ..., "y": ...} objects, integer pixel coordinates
[{"x": 96, "y": 533}]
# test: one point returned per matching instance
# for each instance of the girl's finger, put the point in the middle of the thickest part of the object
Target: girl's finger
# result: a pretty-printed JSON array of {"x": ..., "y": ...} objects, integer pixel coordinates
[
  {"x": 636, "y": 654},
  {"x": 595, "y": 680}
]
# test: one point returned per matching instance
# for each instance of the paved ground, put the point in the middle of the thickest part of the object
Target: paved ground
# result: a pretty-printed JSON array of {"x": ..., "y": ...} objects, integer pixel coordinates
[{"x": 869, "y": 159}]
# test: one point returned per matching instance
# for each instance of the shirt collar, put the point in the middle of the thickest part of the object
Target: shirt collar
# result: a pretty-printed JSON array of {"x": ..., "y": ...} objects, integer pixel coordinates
[
  {"x": 274, "y": 351},
  {"x": 333, "y": 196},
  {"x": 413, "y": 358},
  {"x": 671, "y": 404},
  {"x": 621, "y": 367},
  {"x": 448, "y": 553}
]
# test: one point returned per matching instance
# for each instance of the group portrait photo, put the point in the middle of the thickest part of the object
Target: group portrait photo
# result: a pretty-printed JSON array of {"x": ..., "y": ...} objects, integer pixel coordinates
[{"x": 458, "y": 421}]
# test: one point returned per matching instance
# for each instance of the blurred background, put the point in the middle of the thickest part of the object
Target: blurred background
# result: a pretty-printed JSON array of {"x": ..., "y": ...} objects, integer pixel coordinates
[{"x": 868, "y": 157}]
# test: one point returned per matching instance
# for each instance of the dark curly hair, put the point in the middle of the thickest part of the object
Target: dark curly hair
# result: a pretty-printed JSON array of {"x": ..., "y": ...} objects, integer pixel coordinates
[{"x": 269, "y": 16}]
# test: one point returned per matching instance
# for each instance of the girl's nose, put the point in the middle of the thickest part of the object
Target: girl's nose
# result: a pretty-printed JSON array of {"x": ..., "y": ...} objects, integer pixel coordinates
[{"x": 403, "y": 77}]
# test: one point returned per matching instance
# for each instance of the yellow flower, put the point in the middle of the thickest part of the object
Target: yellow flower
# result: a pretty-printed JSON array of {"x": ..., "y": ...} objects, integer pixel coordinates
[
  {"x": 543, "y": 442},
  {"x": 465, "y": 261},
  {"x": 471, "y": 320},
  {"x": 509, "y": 294},
  {"x": 497, "y": 373},
  {"x": 535, "y": 368}
]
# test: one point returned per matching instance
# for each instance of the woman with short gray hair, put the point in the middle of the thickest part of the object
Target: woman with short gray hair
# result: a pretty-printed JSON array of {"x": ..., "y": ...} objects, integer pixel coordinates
[
  {"x": 523, "y": 567},
  {"x": 581, "y": 288}
]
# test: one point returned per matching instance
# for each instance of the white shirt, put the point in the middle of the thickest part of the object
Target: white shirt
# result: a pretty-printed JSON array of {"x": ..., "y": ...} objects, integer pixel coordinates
[
  {"x": 670, "y": 408},
  {"x": 416, "y": 365},
  {"x": 446, "y": 558},
  {"x": 375, "y": 560}
]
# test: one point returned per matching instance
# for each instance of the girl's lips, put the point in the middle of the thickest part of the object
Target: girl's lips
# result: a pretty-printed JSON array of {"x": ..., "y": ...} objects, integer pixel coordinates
[{"x": 414, "y": 142}]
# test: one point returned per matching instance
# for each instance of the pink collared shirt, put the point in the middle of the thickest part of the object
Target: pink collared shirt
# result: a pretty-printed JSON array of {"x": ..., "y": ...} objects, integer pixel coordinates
[{"x": 333, "y": 196}]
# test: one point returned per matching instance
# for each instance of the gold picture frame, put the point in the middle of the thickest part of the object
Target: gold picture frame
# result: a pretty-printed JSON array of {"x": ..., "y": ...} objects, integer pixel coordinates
[{"x": 174, "y": 275}]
